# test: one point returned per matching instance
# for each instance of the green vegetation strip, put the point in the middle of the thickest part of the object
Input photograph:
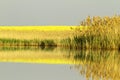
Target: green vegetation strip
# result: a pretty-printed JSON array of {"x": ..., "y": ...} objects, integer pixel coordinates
[{"x": 16, "y": 42}]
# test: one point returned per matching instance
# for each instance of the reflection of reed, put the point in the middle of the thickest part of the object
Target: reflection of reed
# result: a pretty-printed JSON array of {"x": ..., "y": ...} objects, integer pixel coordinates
[{"x": 98, "y": 65}]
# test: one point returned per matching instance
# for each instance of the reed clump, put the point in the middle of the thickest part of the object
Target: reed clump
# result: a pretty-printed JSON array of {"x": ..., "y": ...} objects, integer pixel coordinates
[{"x": 101, "y": 33}]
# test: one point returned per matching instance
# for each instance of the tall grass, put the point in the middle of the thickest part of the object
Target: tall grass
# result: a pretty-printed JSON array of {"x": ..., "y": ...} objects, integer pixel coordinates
[{"x": 101, "y": 33}]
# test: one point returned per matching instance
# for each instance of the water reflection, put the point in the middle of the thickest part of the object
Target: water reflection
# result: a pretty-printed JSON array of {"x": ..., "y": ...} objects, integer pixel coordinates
[
  {"x": 98, "y": 65},
  {"x": 92, "y": 64},
  {"x": 33, "y": 54}
]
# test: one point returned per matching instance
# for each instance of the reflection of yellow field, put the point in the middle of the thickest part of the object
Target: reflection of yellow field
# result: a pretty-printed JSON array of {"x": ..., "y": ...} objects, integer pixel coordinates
[{"x": 50, "y": 57}]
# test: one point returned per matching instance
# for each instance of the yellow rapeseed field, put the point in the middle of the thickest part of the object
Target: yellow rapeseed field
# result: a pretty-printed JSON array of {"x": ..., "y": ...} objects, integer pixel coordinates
[
  {"x": 41, "y": 28},
  {"x": 37, "y": 32}
]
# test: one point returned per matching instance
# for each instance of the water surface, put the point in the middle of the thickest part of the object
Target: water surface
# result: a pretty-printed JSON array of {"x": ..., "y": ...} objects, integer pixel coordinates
[{"x": 49, "y": 63}]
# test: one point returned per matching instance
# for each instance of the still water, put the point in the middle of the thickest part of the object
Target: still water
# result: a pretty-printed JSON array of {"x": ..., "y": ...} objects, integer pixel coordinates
[{"x": 30, "y": 63}]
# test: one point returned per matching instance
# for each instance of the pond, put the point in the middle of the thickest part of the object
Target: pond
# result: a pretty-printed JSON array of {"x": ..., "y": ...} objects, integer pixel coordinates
[{"x": 49, "y": 63}]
